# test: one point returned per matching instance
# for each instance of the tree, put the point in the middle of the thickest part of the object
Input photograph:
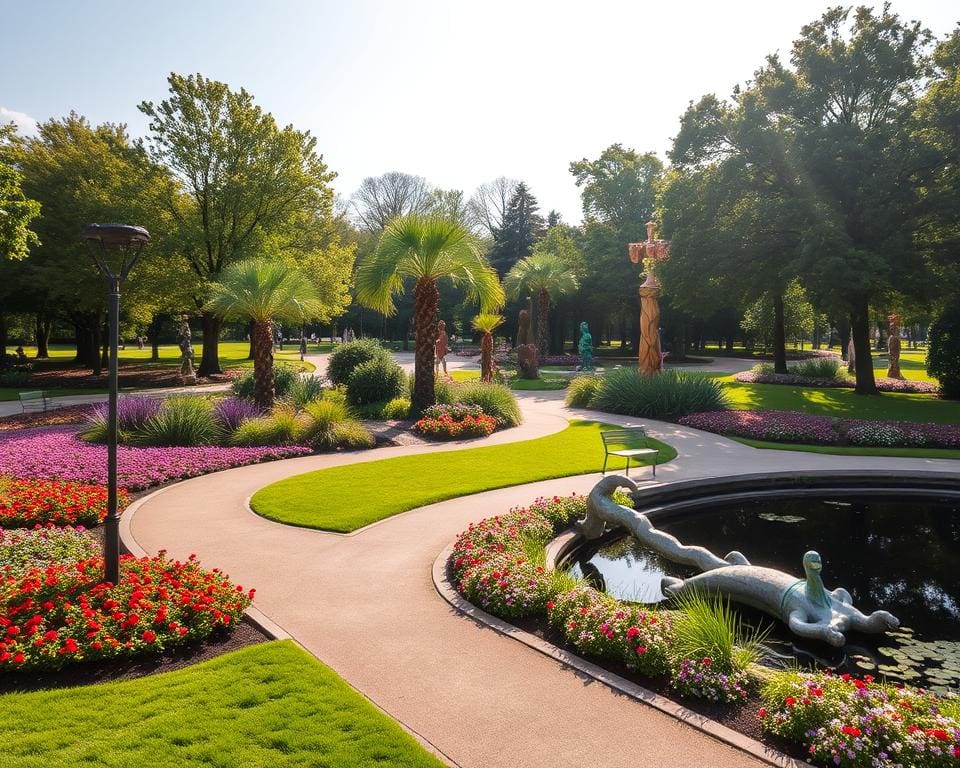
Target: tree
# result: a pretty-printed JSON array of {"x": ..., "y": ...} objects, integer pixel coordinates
[
  {"x": 490, "y": 202},
  {"x": 546, "y": 275},
  {"x": 793, "y": 319},
  {"x": 486, "y": 324},
  {"x": 262, "y": 290},
  {"x": 522, "y": 225},
  {"x": 245, "y": 178},
  {"x": 618, "y": 187},
  {"x": 382, "y": 198},
  {"x": 425, "y": 249},
  {"x": 16, "y": 209}
]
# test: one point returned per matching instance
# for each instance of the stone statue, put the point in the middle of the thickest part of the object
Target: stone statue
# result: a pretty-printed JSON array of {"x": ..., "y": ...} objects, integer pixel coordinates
[
  {"x": 585, "y": 347},
  {"x": 650, "y": 253},
  {"x": 851, "y": 356},
  {"x": 893, "y": 348},
  {"x": 527, "y": 358},
  {"x": 185, "y": 340},
  {"x": 803, "y": 604}
]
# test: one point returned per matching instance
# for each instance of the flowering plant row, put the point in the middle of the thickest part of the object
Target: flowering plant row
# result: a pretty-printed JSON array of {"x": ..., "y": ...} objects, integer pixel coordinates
[
  {"x": 792, "y": 427},
  {"x": 26, "y": 503},
  {"x": 62, "y": 614},
  {"x": 58, "y": 453},
  {"x": 448, "y": 422},
  {"x": 860, "y": 723},
  {"x": 22, "y": 550},
  {"x": 883, "y": 384}
]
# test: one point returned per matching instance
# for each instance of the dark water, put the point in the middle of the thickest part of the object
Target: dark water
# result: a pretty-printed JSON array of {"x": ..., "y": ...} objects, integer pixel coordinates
[{"x": 902, "y": 555}]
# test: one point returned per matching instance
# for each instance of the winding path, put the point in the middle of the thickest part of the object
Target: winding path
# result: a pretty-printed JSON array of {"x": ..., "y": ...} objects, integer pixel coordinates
[{"x": 365, "y": 604}]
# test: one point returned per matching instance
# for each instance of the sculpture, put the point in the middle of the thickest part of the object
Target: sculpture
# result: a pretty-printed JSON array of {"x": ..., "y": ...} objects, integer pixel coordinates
[
  {"x": 851, "y": 356},
  {"x": 185, "y": 341},
  {"x": 803, "y": 604},
  {"x": 527, "y": 359},
  {"x": 893, "y": 348},
  {"x": 440, "y": 347},
  {"x": 585, "y": 347},
  {"x": 650, "y": 252}
]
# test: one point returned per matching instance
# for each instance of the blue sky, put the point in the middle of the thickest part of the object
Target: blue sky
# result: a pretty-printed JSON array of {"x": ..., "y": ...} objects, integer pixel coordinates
[{"x": 454, "y": 91}]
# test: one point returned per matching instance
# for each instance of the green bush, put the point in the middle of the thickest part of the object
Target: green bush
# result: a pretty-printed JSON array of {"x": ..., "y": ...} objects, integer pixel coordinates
[
  {"x": 706, "y": 626},
  {"x": 494, "y": 399},
  {"x": 320, "y": 419},
  {"x": 668, "y": 395},
  {"x": 396, "y": 409},
  {"x": 819, "y": 368},
  {"x": 184, "y": 420},
  {"x": 284, "y": 377},
  {"x": 347, "y": 357},
  {"x": 353, "y": 435},
  {"x": 303, "y": 389},
  {"x": 278, "y": 428},
  {"x": 943, "y": 356},
  {"x": 443, "y": 389},
  {"x": 376, "y": 381},
  {"x": 581, "y": 391}
]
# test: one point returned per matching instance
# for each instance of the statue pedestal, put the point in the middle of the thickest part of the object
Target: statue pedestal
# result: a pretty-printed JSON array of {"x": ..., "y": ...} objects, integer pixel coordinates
[{"x": 651, "y": 360}]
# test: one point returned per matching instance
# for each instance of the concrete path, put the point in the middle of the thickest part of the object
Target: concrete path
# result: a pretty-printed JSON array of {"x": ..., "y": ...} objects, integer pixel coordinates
[{"x": 365, "y": 604}]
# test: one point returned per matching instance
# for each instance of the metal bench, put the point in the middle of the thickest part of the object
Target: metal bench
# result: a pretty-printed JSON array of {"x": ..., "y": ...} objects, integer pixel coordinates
[
  {"x": 630, "y": 444},
  {"x": 33, "y": 402}
]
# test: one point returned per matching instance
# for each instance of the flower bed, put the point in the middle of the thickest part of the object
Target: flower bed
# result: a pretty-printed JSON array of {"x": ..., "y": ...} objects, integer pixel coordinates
[
  {"x": 72, "y": 414},
  {"x": 58, "y": 453},
  {"x": 25, "y": 503},
  {"x": 792, "y": 427},
  {"x": 21, "y": 551},
  {"x": 64, "y": 614},
  {"x": 561, "y": 360},
  {"x": 452, "y": 422},
  {"x": 859, "y": 723},
  {"x": 883, "y": 384}
]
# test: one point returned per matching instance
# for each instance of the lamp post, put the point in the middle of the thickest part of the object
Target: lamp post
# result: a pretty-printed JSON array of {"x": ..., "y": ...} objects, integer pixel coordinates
[{"x": 127, "y": 242}]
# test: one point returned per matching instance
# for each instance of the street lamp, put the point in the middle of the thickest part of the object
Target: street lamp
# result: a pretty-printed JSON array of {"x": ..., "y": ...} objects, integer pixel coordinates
[{"x": 127, "y": 243}]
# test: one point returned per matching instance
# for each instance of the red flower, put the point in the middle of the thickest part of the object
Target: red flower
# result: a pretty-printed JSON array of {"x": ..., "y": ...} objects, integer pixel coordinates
[
  {"x": 790, "y": 701},
  {"x": 641, "y": 649},
  {"x": 550, "y": 605},
  {"x": 938, "y": 733},
  {"x": 149, "y": 636},
  {"x": 851, "y": 730},
  {"x": 762, "y": 712}
]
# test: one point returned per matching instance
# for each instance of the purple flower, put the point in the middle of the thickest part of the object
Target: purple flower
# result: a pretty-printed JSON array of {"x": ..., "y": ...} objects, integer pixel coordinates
[{"x": 231, "y": 412}]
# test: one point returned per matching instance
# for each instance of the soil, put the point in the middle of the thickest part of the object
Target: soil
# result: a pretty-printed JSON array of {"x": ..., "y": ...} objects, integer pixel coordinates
[{"x": 139, "y": 375}]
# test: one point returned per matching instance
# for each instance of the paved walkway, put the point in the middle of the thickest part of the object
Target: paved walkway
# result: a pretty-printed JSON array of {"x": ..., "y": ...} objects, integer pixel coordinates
[{"x": 365, "y": 604}]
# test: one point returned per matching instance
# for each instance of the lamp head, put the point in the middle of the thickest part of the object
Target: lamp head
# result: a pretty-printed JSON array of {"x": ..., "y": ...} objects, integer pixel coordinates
[{"x": 124, "y": 239}]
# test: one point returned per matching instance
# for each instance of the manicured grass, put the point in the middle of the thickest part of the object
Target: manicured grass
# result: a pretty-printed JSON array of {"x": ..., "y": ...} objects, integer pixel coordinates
[
  {"x": 267, "y": 706},
  {"x": 12, "y": 393},
  {"x": 540, "y": 384},
  {"x": 852, "y": 450},
  {"x": 328, "y": 498}
]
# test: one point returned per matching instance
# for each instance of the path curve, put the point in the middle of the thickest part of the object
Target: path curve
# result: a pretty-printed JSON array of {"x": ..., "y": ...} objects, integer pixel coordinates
[{"x": 365, "y": 603}]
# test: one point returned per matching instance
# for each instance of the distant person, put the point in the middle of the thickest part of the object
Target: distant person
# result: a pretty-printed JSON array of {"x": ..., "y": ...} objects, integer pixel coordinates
[
  {"x": 21, "y": 355},
  {"x": 441, "y": 347},
  {"x": 303, "y": 347}
]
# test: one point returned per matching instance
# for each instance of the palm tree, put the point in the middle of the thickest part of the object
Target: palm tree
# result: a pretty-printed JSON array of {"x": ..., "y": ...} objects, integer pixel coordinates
[
  {"x": 425, "y": 248},
  {"x": 263, "y": 290},
  {"x": 486, "y": 324},
  {"x": 546, "y": 275}
]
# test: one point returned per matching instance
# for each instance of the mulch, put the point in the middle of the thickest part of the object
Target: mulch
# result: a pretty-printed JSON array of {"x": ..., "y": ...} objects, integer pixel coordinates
[{"x": 139, "y": 375}]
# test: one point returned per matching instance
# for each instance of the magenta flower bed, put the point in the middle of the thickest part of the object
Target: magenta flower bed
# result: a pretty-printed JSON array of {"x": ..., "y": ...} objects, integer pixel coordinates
[
  {"x": 59, "y": 454},
  {"x": 883, "y": 384},
  {"x": 790, "y": 427}
]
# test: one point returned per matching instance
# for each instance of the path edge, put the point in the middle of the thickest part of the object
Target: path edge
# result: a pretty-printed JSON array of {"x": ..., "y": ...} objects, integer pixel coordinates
[{"x": 693, "y": 719}]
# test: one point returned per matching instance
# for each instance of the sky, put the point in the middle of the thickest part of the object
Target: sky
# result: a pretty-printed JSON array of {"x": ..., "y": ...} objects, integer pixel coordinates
[{"x": 458, "y": 92}]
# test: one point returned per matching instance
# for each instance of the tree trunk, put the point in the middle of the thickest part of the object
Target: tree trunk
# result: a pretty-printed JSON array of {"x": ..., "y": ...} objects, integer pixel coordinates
[
  {"x": 426, "y": 301},
  {"x": 210, "y": 361},
  {"x": 486, "y": 357},
  {"x": 43, "y": 326},
  {"x": 95, "y": 359},
  {"x": 3, "y": 334},
  {"x": 779, "y": 336},
  {"x": 250, "y": 329},
  {"x": 860, "y": 328},
  {"x": 263, "y": 387},
  {"x": 153, "y": 331},
  {"x": 543, "y": 323}
]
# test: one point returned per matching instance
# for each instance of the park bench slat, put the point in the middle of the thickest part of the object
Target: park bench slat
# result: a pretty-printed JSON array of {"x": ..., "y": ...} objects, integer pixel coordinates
[
  {"x": 33, "y": 402},
  {"x": 627, "y": 443}
]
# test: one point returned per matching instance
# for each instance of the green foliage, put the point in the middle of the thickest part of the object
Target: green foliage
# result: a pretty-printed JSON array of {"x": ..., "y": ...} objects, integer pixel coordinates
[
  {"x": 346, "y": 357},
  {"x": 376, "y": 381},
  {"x": 329, "y": 424},
  {"x": 352, "y": 435},
  {"x": 396, "y": 409},
  {"x": 820, "y": 368},
  {"x": 443, "y": 389},
  {"x": 798, "y": 316},
  {"x": 708, "y": 627},
  {"x": 284, "y": 378},
  {"x": 943, "y": 357},
  {"x": 16, "y": 236},
  {"x": 582, "y": 390},
  {"x": 494, "y": 399},
  {"x": 263, "y": 290},
  {"x": 522, "y": 225},
  {"x": 303, "y": 389},
  {"x": 280, "y": 427},
  {"x": 183, "y": 420},
  {"x": 667, "y": 395}
]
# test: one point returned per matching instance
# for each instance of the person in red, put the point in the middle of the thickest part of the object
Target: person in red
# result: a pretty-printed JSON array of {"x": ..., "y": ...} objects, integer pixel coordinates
[{"x": 441, "y": 346}]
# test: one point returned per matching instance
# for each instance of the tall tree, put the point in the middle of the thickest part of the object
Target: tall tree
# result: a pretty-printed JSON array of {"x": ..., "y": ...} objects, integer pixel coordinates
[
  {"x": 382, "y": 198},
  {"x": 522, "y": 225},
  {"x": 426, "y": 249},
  {"x": 547, "y": 276},
  {"x": 490, "y": 202},
  {"x": 245, "y": 178}
]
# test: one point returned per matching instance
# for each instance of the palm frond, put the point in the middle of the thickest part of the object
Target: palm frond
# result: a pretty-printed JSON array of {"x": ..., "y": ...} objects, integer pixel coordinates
[
  {"x": 262, "y": 290},
  {"x": 486, "y": 322},
  {"x": 541, "y": 271}
]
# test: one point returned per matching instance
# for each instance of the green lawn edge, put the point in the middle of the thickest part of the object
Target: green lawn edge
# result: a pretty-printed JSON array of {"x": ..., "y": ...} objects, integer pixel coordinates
[
  {"x": 270, "y": 705},
  {"x": 852, "y": 450},
  {"x": 328, "y": 499}
]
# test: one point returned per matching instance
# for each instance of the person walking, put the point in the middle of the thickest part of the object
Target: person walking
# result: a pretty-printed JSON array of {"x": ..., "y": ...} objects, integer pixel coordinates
[{"x": 441, "y": 347}]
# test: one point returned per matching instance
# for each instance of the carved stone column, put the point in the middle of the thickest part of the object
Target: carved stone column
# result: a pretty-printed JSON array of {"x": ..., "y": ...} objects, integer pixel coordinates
[
  {"x": 893, "y": 348},
  {"x": 651, "y": 360}
]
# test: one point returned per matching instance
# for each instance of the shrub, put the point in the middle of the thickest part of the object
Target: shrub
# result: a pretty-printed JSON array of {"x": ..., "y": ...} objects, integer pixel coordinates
[
  {"x": 158, "y": 604},
  {"x": 184, "y": 420},
  {"x": 231, "y": 412},
  {"x": 280, "y": 427},
  {"x": 284, "y": 377},
  {"x": 329, "y": 424},
  {"x": 667, "y": 395},
  {"x": 943, "y": 356},
  {"x": 304, "y": 389},
  {"x": 26, "y": 503},
  {"x": 397, "y": 409},
  {"x": 349, "y": 356},
  {"x": 376, "y": 381},
  {"x": 40, "y": 548},
  {"x": 494, "y": 399},
  {"x": 443, "y": 389},
  {"x": 353, "y": 435},
  {"x": 133, "y": 414},
  {"x": 820, "y": 368},
  {"x": 582, "y": 390}
]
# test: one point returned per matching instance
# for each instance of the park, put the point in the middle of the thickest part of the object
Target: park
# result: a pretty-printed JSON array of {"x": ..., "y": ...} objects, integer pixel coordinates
[{"x": 294, "y": 473}]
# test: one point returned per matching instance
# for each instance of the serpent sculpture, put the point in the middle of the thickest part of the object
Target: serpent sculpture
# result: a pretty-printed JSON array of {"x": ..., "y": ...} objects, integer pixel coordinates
[{"x": 804, "y": 605}]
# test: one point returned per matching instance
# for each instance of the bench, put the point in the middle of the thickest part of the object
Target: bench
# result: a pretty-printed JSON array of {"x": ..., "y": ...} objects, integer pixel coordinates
[
  {"x": 33, "y": 402},
  {"x": 630, "y": 444}
]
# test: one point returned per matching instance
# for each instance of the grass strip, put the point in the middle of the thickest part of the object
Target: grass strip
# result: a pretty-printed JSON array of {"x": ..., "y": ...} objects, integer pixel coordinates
[
  {"x": 327, "y": 498},
  {"x": 267, "y": 706},
  {"x": 853, "y": 450}
]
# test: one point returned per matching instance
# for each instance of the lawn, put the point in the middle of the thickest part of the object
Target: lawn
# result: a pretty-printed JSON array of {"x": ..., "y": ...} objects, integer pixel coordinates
[
  {"x": 853, "y": 450},
  {"x": 540, "y": 384},
  {"x": 327, "y": 499},
  {"x": 11, "y": 393},
  {"x": 267, "y": 706}
]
